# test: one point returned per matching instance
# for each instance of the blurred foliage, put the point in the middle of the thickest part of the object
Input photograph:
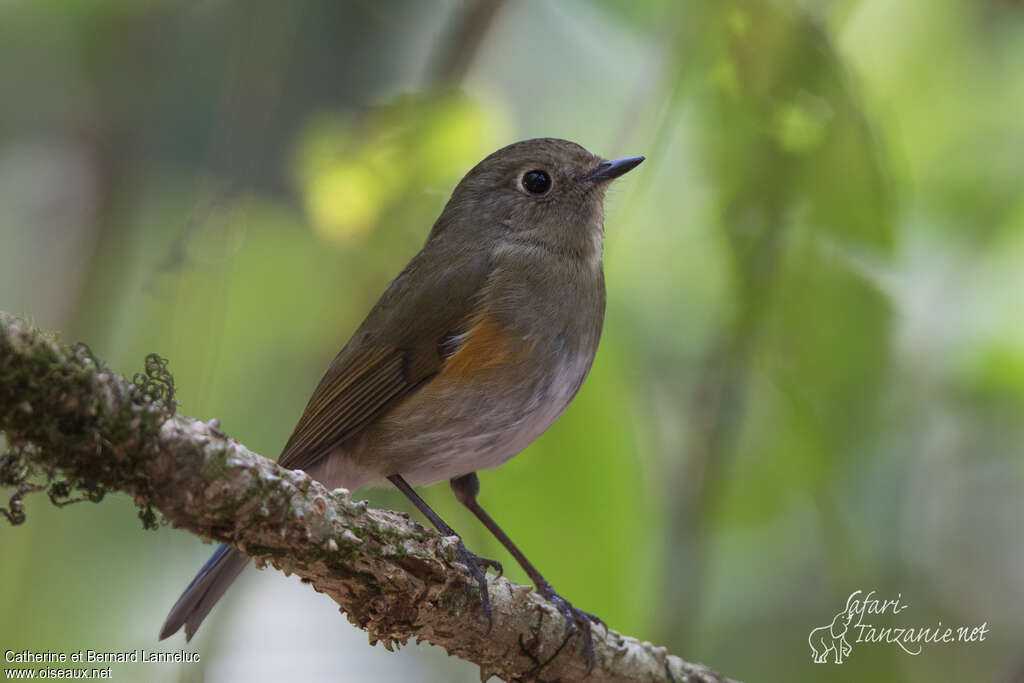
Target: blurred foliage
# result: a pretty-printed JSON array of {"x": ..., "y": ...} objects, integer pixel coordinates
[
  {"x": 352, "y": 172},
  {"x": 812, "y": 370}
]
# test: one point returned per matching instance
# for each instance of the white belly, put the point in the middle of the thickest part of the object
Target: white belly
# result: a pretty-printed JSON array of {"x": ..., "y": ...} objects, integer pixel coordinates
[{"x": 488, "y": 430}]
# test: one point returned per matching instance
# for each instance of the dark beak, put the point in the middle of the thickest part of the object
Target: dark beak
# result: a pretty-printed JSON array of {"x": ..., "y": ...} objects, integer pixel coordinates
[{"x": 607, "y": 170}]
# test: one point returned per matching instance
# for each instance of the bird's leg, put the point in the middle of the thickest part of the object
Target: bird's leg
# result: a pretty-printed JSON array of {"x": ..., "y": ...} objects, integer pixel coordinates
[
  {"x": 476, "y": 565},
  {"x": 466, "y": 489}
]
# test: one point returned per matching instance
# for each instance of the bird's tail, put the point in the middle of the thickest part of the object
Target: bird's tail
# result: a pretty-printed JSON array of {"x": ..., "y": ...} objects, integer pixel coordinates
[{"x": 206, "y": 589}]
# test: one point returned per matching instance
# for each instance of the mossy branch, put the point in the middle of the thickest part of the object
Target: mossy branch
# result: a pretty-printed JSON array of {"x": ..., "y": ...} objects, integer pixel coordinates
[{"x": 77, "y": 430}]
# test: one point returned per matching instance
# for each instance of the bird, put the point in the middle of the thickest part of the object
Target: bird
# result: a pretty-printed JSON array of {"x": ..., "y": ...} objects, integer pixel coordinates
[{"x": 472, "y": 352}]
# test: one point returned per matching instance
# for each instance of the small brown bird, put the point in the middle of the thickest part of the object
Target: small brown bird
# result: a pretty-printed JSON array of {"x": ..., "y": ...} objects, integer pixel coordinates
[{"x": 474, "y": 350}]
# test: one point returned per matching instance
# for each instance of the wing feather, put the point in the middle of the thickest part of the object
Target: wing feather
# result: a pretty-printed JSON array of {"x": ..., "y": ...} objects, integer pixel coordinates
[
  {"x": 397, "y": 348},
  {"x": 342, "y": 404}
]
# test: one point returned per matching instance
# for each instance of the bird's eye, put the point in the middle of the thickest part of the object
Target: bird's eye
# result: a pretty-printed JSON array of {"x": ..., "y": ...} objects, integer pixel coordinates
[{"x": 536, "y": 181}]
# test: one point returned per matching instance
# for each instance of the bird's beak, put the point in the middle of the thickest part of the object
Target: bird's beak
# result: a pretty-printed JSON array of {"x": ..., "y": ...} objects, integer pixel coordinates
[{"x": 607, "y": 170}]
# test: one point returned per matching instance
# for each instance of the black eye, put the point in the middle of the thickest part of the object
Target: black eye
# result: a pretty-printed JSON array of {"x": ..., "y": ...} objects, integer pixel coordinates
[{"x": 536, "y": 181}]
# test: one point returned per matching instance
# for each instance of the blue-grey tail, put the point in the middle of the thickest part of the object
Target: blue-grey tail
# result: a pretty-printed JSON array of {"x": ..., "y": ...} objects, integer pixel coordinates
[{"x": 206, "y": 589}]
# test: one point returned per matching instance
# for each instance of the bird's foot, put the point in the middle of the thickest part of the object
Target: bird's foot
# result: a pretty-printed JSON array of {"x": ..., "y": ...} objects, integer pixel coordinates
[
  {"x": 576, "y": 620},
  {"x": 477, "y": 567}
]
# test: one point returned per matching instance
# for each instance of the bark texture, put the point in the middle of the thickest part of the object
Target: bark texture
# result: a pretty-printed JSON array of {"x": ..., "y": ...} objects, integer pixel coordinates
[{"x": 76, "y": 430}]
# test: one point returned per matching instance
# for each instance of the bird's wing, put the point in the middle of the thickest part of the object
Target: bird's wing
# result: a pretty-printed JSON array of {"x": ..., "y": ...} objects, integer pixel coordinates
[{"x": 402, "y": 343}]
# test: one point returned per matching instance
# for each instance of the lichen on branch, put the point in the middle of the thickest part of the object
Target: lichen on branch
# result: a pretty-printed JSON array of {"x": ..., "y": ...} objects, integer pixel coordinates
[
  {"x": 73, "y": 427},
  {"x": 77, "y": 430}
]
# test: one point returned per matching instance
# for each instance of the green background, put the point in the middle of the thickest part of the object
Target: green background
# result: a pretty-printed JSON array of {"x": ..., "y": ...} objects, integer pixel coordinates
[{"x": 812, "y": 371}]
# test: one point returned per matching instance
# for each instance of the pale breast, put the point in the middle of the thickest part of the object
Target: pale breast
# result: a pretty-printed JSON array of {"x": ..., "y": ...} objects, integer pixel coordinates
[{"x": 451, "y": 428}]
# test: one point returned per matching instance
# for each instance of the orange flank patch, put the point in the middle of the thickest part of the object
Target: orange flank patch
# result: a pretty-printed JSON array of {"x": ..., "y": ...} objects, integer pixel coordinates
[{"x": 486, "y": 346}]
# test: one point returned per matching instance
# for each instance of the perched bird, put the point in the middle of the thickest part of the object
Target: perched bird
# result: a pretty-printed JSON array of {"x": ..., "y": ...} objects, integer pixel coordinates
[{"x": 474, "y": 350}]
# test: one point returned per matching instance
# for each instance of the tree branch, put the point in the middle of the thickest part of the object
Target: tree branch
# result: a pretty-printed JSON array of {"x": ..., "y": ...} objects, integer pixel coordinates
[{"x": 75, "y": 428}]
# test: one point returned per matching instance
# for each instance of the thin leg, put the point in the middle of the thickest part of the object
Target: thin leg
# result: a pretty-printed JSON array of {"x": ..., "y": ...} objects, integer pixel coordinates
[
  {"x": 473, "y": 563},
  {"x": 466, "y": 489}
]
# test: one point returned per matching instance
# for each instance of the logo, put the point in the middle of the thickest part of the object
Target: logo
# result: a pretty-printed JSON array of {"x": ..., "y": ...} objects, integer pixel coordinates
[{"x": 857, "y": 623}]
